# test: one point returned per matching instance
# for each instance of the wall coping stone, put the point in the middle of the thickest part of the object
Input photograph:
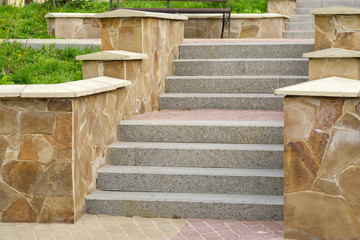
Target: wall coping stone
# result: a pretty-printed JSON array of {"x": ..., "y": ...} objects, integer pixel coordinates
[
  {"x": 237, "y": 15},
  {"x": 336, "y": 10},
  {"x": 64, "y": 90},
  {"x": 70, "y": 15},
  {"x": 332, "y": 53},
  {"x": 326, "y": 87},
  {"x": 124, "y": 13},
  {"x": 112, "y": 55}
]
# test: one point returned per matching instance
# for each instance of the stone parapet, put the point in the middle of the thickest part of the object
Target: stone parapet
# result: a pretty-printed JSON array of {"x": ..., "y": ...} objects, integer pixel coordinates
[
  {"x": 321, "y": 161},
  {"x": 337, "y": 27},
  {"x": 334, "y": 62},
  {"x": 268, "y": 25},
  {"x": 286, "y": 7}
]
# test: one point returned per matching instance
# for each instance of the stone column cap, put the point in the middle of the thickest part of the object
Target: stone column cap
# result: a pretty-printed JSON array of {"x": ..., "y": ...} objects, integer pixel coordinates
[
  {"x": 336, "y": 10},
  {"x": 124, "y": 13},
  {"x": 70, "y": 15},
  {"x": 112, "y": 55},
  {"x": 237, "y": 15},
  {"x": 332, "y": 53},
  {"x": 326, "y": 87}
]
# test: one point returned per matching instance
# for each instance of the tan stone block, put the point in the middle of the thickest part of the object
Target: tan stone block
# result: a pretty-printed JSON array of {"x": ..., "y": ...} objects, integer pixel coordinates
[
  {"x": 58, "y": 210},
  {"x": 60, "y": 105},
  {"x": 348, "y": 40},
  {"x": 299, "y": 119},
  {"x": 37, "y": 204},
  {"x": 19, "y": 211},
  {"x": 322, "y": 41},
  {"x": 250, "y": 31},
  {"x": 3, "y": 147},
  {"x": 37, "y": 122},
  {"x": 326, "y": 186},
  {"x": 63, "y": 136},
  {"x": 326, "y": 25},
  {"x": 349, "y": 181},
  {"x": 329, "y": 111},
  {"x": 349, "y": 121},
  {"x": 312, "y": 215},
  {"x": 55, "y": 181},
  {"x": 346, "y": 68},
  {"x": 349, "y": 22},
  {"x": 318, "y": 141},
  {"x": 131, "y": 22},
  {"x": 300, "y": 167},
  {"x": 343, "y": 149},
  {"x": 130, "y": 39},
  {"x": 316, "y": 68},
  {"x": 25, "y": 104},
  {"x": 357, "y": 108},
  {"x": 21, "y": 175},
  {"x": 114, "y": 69},
  {"x": 36, "y": 148},
  {"x": 271, "y": 28},
  {"x": 106, "y": 44},
  {"x": 98, "y": 132},
  {"x": 8, "y": 119},
  {"x": 95, "y": 23},
  {"x": 133, "y": 70},
  {"x": 8, "y": 195},
  {"x": 91, "y": 69},
  {"x": 110, "y": 23},
  {"x": 14, "y": 141}
]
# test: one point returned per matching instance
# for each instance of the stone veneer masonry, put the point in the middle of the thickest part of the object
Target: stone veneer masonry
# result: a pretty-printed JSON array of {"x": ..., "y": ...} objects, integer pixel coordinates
[
  {"x": 322, "y": 159},
  {"x": 286, "y": 7}
]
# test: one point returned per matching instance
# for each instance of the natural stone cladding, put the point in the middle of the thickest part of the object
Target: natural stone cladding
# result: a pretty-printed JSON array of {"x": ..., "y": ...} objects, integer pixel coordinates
[
  {"x": 286, "y": 7},
  {"x": 322, "y": 167}
]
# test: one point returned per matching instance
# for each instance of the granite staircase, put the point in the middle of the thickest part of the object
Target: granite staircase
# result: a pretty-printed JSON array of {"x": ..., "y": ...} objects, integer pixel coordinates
[
  {"x": 215, "y": 150},
  {"x": 301, "y": 24}
]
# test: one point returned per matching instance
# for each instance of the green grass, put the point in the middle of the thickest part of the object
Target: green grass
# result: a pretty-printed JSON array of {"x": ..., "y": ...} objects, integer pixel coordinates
[
  {"x": 30, "y": 21},
  {"x": 44, "y": 66}
]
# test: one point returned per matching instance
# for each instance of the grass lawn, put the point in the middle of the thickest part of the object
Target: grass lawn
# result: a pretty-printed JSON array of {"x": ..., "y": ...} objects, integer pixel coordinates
[{"x": 43, "y": 66}]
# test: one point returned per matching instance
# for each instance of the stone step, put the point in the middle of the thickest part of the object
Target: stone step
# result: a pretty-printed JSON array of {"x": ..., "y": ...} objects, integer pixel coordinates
[
  {"x": 303, "y": 10},
  {"x": 191, "y": 180},
  {"x": 201, "y": 131},
  {"x": 345, "y": 3},
  {"x": 302, "y": 18},
  {"x": 299, "y": 26},
  {"x": 230, "y": 84},
  {"x": 309, "y": 4},
  {"x": 299, "y": 34},
  {"x": 245, "y": 50},
  {"x": 162, "y": 154},
  {"x": 254, "y": 101},
  {"x": 237, "y": 67},
  {"x": 186, "y": 205}
]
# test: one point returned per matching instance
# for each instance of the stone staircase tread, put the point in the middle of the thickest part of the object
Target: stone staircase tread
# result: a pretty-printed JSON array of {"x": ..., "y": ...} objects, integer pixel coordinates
[
  {"x": 268, "y": 77},
  {"x": 239, "y": 59},
  {"x": 220, "y": 95},
  {"x": 187, "y": 197},
  {"x": 185, "y": 171}
]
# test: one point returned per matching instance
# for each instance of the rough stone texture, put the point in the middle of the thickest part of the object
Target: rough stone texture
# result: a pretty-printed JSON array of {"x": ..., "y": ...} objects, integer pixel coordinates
[
  {"x": 322, "y": 169},
  {"x": 74, "y": 28},
  {"x": 286, "y": 7},
  {"x": 337, "y": 31},
  {"x": 331, "y": 67},
  {"x": 19, "y": 211},
  {"x": 240, "y": 27}
]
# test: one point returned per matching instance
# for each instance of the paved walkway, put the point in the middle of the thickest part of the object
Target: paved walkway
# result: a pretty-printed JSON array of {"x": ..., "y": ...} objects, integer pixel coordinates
[{"x": 136, "y": 228}]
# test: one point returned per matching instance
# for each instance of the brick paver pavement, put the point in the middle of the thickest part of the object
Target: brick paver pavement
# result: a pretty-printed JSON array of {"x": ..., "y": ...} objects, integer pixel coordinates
[{"x": 100, "y": 227}]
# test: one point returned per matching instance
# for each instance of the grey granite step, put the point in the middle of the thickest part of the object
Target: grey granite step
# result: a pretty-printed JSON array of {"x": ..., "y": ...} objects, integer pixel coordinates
[
  {"x": 210, "y": 155},
  {"x": 245, "y": 50},
  {"x": 303, "y": 10},
  {"x": 241, "y": 67},
  {"x": 183, "y": 101},
  {"x": 186, "y": 205},
  {"x": 229, "y": 84},
  {"x": 345, "y": 3},
  {"x": 302, "y": 18},
  {"x": 191, "y": 180},
  {"x": 300, "y": 26},
  {"x": 299, "y": 34},
  {"x": 309, "y": 4},
  {"x": 197, "y": 131}
]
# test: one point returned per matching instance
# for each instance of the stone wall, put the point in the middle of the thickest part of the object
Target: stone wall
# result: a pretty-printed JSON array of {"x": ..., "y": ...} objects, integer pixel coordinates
[
  {"x": 322, "y": 168},
  {"x": 242, "y": 26},
  {"x": 285, "y": 7}
]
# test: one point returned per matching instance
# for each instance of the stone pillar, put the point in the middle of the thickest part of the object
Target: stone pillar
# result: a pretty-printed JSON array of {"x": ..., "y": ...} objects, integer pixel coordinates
[
  {"x": 337, "y": 27},
  {"x": 322, "y": 159},
  {"x": 334, "y": 62},
  {"x": 286, "y": 7}
]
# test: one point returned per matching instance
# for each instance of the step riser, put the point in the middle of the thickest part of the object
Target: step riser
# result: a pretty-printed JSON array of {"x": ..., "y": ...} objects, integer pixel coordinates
[
  {"x": 244, "y": 103},
  {"x": 294, "y": 50},
  {"x": 208, "y": 158},
  {"x": 351, "y": 3},
  {"x": 298, "y": 67},
  {"x": 309, "y": 4},
  {"x": 137, "y": 182},
  {"x": 303, "y": 10},
  {"x": 298, "y": 35},
  {"x": 301, "y": 18},
  {"x": 201, "y": 134},
  {"x": 244, "y": 212},
  {"x": 299, "y": 26}
]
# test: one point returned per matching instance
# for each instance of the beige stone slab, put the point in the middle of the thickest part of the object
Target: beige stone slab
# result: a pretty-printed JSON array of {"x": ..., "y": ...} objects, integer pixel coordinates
[
  {"x": 46, "y": 91},
  {"x": 327, "y": 87},
  {"x": 79, "y": 90},
  {"x": 11, "y": 90},
  {"x": 237, "y": 16},
  {"x": 332, "y": 53},
  {"x": 70, "y": 15},
  {"x": 96, "y": 86},
  {"x": 112, "y": 55},
  {"x": 336, "y": 10},
  {"x": 118, "y": 83},
  {"x": 123, "y": 13}
]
